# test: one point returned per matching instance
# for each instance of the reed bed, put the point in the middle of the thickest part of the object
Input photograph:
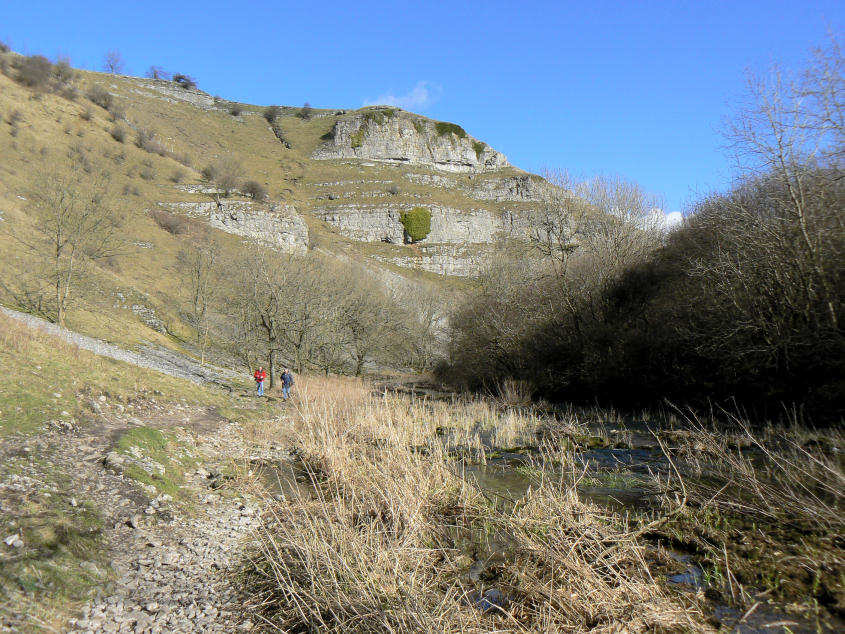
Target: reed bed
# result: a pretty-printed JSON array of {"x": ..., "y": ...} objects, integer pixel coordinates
[{"x": 385, "y": 539}]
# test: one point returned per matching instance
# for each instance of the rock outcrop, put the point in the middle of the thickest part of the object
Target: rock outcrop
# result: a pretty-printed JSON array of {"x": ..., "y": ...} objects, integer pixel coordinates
[
  {"x": 380, "y": 223},
  {"x": 281, "y": 228},
  {"x": 172, "y": 92},
  {"x": 393, "y": 136}
]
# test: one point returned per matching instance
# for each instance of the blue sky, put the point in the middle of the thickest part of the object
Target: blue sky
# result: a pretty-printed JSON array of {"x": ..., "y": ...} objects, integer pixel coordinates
[{"x": 637, "y": 89}]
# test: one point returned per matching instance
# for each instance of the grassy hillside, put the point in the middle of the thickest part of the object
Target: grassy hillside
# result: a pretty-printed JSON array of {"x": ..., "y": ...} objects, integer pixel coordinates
[{"x": 152, "y": 142}]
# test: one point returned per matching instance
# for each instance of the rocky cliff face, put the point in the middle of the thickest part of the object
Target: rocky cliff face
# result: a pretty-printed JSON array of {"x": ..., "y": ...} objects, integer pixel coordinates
[
  {"x": 172, "y": 92},
  {"x": 281, "y": 228},
  {"x": 394, "y": 136},
  {"x": 380, "y": 223}
]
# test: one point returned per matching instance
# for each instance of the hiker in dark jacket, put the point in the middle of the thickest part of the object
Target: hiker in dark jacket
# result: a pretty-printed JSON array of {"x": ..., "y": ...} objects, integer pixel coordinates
[{"x": 287, "y": 383}]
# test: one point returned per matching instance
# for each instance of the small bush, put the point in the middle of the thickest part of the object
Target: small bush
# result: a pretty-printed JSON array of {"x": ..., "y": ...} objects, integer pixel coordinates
[
  {"x": 157, "y": 72},
  {"x": 87, "y": 114},
  {"x": 184, "y": 81},
  {"x": 100, "y": 96},
  {"x": 209, "y": 173},
  {"x": 478, "y": 146},
  {"x": 305, "y": 112},
  {"x": 4, "y": 48},
  {"x": 254, "y": 190},
  {"x": 177, "y": 225},
  {"x": 148, "y": 173},
  {"x": 417, "y": 223},
  {"x": 34, "y": 71},
  {"x": 443, "y": 128},
  {"x": 15, "y": 116},
  {"x": 63, "y": 71},
  {"x": 177, "y": 176},
  {"x": 271, "y": 113},
  {"x": 393, "y": 189},
  {"x": 148, "y": 141},
  {"x": 118, "y": 133},
  {"x": 117, "y": 111},
  {"x": 71, "y": 93},
  {"x": 235, "y": 110}
]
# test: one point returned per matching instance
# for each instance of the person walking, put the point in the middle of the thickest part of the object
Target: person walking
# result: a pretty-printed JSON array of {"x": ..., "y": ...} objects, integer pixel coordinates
[
  {"x": 287, "y": 383},
  {"x": 259, "y": 377}
]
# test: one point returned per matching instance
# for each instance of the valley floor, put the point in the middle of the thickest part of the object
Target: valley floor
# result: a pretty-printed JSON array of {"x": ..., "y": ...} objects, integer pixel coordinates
[{"x": 147, "y": 508}]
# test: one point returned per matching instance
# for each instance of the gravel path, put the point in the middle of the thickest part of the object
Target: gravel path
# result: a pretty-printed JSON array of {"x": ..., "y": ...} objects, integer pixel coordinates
[
  {"x": 174, "y": 563},
  {"x": 174, "y": 572},
  {"x": 152, "y": 357}
]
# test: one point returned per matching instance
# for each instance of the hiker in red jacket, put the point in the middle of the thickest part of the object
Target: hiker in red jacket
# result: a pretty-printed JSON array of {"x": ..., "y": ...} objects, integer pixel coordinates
[{"x": 259, "y": 377}]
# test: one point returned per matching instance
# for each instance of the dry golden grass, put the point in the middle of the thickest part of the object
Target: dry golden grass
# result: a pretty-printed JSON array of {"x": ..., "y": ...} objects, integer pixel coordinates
[{"x": 385, "y": 539}]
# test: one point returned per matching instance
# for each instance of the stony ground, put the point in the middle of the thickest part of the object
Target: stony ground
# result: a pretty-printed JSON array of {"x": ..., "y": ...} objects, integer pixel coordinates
[{"x": 172, "y": 564}]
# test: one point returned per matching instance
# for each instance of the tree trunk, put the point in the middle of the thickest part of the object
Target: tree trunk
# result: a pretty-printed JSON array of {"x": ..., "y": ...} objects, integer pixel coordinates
[{"x": 272, "y": 367}]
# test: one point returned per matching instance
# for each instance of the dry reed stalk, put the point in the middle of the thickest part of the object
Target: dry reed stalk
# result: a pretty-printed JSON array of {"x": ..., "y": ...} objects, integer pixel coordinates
[{"x": 381, "y": 543}]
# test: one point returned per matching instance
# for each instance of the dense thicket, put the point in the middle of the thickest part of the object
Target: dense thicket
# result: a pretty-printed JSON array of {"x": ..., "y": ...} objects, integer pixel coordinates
[{"x": 743, "y": 304}]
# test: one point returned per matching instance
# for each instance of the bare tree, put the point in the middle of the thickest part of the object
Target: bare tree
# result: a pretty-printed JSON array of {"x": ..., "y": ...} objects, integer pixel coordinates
[
  {"x": 157, "y": 72},
  {"x": 78, "y": 224},
  {"x": 224, "y": 174},
  {"x": 792, "y": 128},
  {"x": 113, "y": 62},
  {"x": 199, "y": 261}
]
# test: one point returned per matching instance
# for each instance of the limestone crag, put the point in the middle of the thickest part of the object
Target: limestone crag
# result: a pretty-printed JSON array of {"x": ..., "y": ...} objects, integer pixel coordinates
[
  {"x": 380, "y": 223},
  {"x": 395, "y": 136},
  {"x": 524, "y": 188},
  {"x": 173, "y": 93},
  {"x": 442, "y": 259},
  {"x": 495, "y": 188},
  {"x": 281, "y": 228}
]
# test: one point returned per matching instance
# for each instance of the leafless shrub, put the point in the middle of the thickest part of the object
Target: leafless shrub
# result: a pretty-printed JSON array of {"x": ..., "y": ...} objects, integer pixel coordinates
[
  {"x": 148, "y": 173},
  {"x": 184, "y": 81},
  {"x": 271, "y": 113},
  {"x": 35, "y": 71},
  {"x": 157, "y": 72},
  {"x": 305, "y": 112},
  {"x": 118, "y": 133},
  {"x": 148, "y": 141},
  {"x": 99, "y": 95},
  {"x": 254, "y": 190},
  {"x": 87, "y": 114},
  {"x": 63, "y": 71},
  {"x": 178, "y": 175},
  {"x": 172, "y": 223}
]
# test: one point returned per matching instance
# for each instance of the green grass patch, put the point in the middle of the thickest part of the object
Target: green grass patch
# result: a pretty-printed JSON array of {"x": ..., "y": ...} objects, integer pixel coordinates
[
  {"x": 478, "y": 146},
  {"x": 444, "y": 128},
  {"x": 378, "y": 116},
  {"x": 144, "y": 444}
]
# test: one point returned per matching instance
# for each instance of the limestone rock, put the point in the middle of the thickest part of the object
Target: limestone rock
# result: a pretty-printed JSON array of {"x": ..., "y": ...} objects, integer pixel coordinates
[
  {"x": 281, "y": 228},
  {"x": 393, "y": 136}
]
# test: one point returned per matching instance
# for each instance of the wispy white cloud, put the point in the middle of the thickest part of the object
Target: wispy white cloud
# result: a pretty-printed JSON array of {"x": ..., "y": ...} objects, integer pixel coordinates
[
  {"x": 674, "y": 218},
  {"x": 666, "y": 220},
  {"x": 419, "y": 97}
]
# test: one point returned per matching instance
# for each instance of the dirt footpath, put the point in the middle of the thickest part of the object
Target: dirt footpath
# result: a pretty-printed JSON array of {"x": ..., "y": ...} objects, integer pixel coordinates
[{"x": 172, "y": 563}]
